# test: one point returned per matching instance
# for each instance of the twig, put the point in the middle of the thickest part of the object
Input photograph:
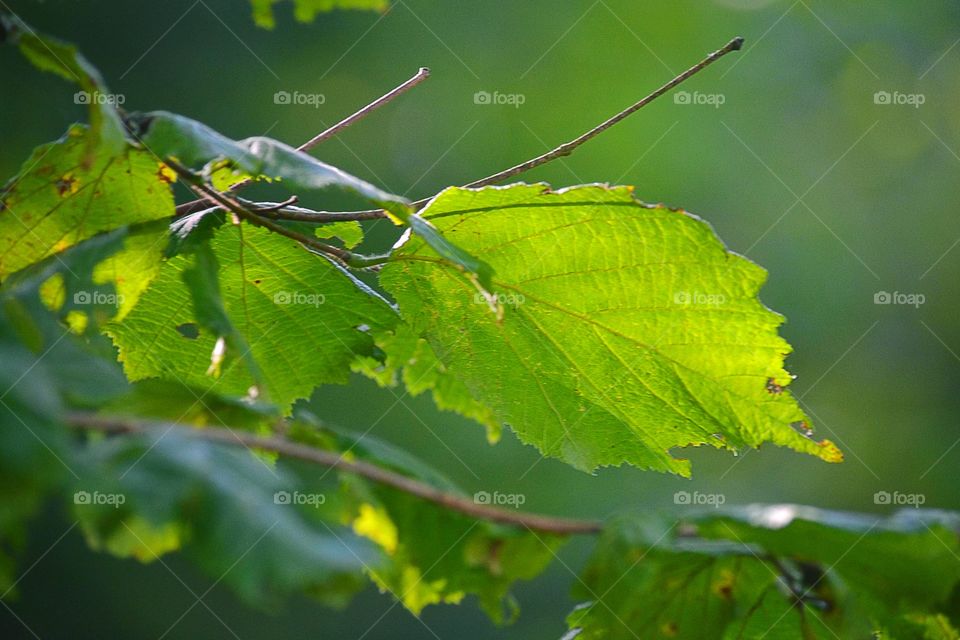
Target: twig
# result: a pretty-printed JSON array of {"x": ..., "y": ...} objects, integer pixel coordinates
[
  {"x": 284, "y": 211},
  {"x": 222, "y": 200},
  {"x": 568, "y": 147},
  {"x": 289, "y": 202},
  {"x": 419, "y": 77},
  {"x": 334, "y": 460},
  {"x": 195, "y": 205}
]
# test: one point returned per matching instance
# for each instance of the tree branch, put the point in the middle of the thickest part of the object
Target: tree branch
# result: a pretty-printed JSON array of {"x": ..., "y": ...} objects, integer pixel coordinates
[
  {"x": 196, "y": 205},
  {"x": 334, "y": 460}
]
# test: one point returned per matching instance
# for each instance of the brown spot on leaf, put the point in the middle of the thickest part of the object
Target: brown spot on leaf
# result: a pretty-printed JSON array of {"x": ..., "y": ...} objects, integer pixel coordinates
[
  {"x": 773, "y": 387},
  {"x": 66, "y": 185}
]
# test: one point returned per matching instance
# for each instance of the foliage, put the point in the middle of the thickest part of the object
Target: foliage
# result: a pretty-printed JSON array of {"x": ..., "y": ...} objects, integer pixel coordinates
[{"x": 598, "y": 328}]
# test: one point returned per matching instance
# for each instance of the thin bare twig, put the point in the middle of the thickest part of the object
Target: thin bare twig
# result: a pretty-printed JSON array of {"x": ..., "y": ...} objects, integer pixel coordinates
[
  {"x": 334, "y": 460},
  {"x": 224, "y": 201},
  {"x": 568, "y": 147},
  {"x": 419, "y": 77},
  {"x": 196, "y": 205}
]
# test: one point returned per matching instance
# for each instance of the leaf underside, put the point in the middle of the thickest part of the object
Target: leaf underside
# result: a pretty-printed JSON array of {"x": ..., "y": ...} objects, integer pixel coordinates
[{"x": 627, "y": 330}]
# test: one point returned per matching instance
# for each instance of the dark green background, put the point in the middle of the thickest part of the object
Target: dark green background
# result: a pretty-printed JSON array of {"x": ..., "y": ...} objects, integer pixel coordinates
[{"x": 799, "y": 169}]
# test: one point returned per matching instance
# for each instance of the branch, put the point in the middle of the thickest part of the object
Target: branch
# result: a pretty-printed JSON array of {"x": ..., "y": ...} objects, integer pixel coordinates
[
  {"x": 334, "y": 460},
  {"x": 568, "y": 147},
  {"x": 196, "y": 205}
]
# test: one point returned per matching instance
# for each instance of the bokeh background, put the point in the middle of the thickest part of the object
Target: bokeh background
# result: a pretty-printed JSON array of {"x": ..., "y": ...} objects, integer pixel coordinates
[{"x": 839, "y": 193}]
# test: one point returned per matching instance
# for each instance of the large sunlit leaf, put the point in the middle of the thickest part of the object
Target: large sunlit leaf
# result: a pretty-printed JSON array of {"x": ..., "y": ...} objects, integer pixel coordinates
[
  {"x": 627, "y": 330},
  {"x": 301, "y": 318}
]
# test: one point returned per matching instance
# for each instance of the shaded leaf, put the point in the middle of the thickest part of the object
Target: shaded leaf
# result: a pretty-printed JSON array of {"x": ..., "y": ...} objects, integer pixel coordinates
[
  {"x": 432, "y": 554},
  {"x": 192, "y": 143},
  {"x": 769, "y": 572},
  {"x": 221, "y": 500}
]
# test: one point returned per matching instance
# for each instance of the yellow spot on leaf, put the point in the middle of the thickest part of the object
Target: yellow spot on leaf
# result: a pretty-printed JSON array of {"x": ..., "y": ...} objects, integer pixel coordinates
[{"x": 374, "y": 523}]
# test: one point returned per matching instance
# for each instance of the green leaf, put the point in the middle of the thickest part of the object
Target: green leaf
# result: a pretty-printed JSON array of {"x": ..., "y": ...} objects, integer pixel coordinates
[
  {"x": 303, "y": 318},
  {"x": 307, "y": 10},
  {"x": 222, "y": 500},
  {"x": 627, "y": 329},
  {"x": 173, "y": 136},
  {"x": 769, "y": 572},
  {"x": 919, "y": 548},
  {"x": 59, "y": 199}
]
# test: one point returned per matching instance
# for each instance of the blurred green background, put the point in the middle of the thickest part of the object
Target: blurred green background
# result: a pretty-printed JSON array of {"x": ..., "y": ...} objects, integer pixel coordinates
[{"x": 800, "y": 168}]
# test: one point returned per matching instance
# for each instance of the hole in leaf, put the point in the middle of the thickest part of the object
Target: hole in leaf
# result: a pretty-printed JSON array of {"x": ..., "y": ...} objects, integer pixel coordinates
[{"x": 189, "y": 330}]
